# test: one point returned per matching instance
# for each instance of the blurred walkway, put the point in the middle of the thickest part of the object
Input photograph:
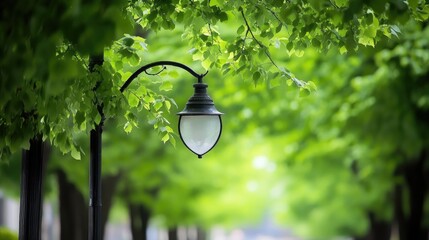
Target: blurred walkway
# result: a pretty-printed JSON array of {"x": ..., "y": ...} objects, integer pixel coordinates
[{"x": 266, "y": 230}]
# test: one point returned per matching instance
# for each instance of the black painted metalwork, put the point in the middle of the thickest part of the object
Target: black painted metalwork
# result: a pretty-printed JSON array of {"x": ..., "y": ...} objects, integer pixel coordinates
[
  {"x": 161, "y": 63},
  {"x": 95, "y": 202},
  {"x": 200, "y": 104}
]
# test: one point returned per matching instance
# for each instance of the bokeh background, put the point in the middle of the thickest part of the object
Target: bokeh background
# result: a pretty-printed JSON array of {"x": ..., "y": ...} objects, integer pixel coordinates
[{"x": 347, "y": 160}]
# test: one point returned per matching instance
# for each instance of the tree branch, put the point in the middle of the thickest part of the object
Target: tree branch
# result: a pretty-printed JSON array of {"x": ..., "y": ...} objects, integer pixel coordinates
[{"x": 267, "y": 53}]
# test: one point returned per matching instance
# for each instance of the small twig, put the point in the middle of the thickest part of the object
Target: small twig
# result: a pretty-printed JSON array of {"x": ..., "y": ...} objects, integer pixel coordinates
[
  {"x": 333, "y": 4},
  {"x": 211, "y": 32},
  {"x": 211, "y": 35},
  {"x": 274, "y": 14},
  {"x": 81, "y": 60},
  {"x": 267, "y": 53},
  {"x": 244, "y": 41}
]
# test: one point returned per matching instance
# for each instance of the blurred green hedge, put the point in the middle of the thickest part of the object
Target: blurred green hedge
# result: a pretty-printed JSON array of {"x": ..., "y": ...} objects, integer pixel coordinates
[{"x": 6, "y": 234}]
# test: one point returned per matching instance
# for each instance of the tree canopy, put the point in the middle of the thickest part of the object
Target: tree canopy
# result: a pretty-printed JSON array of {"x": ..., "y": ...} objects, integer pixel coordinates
[{"x": 47, "y": 88}]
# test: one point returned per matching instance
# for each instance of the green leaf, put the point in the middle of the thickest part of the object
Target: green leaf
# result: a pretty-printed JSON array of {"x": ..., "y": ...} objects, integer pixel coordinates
[
  {"x": 216, "y": 2},
  {"x": 256, "y": 76},
  {"x": 97, "y": 118},
  {"x": 128, "y": 41},
  {"x": 198, "y": 23},
  {"x": 341, "y": 3},
  {"x": 134, "y": 59},
  {"x": 311, "y": 86},
  {"x": 289, "y": 46},
  {"x": 223, "y": 16},
  {"x": 169, "y": 129},
  {"x": 165, "y": 138},
  {"x": 240, "y": 30},
  {"x": 167, "y": 105},
  {"x": 149, "y": 99},
  {"x": 173, "y": 141},
  {"x": 128, "y": 127},
  {"x": 366, "y": 41},
  {"x": 369, "y": 32},
  {"x": 141, "y": 91},
  {"x": 79, "y": 118},
  {"x": 75, "y": 153},
  {"x": 157, "y": 106},
  {"x": 413, "y": 3},
  {"x": 133, "y": 100},
  {"x": 315, "y": 42},
  {"x": 166, "y": 86},
  {"x": 173, "y": 74},
  {"x": 304, "y": 92}
]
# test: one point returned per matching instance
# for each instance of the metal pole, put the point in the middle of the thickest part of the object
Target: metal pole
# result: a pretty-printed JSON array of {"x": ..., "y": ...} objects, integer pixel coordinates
[
  {"x": 30, "y": 213},
  {"x": 95, "y": 202}
]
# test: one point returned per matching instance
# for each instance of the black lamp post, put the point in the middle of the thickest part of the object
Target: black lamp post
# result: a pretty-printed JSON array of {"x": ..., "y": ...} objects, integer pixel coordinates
[{"x": 200, "y": 127}]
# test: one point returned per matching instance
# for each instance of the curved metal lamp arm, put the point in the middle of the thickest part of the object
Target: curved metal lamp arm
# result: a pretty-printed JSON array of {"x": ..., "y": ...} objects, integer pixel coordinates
[{"x": 161, "y": 63}]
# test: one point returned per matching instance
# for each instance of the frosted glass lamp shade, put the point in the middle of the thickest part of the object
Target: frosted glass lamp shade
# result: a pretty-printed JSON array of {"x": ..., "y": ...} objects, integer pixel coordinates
[
  {"x": 200, "y": 133},
  {"x": 200, "y": 124}
]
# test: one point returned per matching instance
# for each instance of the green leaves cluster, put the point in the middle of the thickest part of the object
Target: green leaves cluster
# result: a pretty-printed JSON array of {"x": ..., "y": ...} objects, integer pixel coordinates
[
  {"x": 123, "y": 59},
  {"x": 46, "y": 87},
  {"x": 345, "y": 147},
  {"x": 268, "y": 27}
]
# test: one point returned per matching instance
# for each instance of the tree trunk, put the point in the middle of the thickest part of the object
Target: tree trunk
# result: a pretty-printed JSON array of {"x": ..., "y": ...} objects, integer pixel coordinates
[
  {"x": 416, "y": 179},
  {"x": 32, "y": 174},
  {"x": 73, "y": 210},
  {"x": 399, "y": 213},
  {"x": 2, "y": 214},
  {"x": 379, "y": 230},
  {"x": 410, "y": 224},
  {"x": 135, "y": 222},
  {"x": 139, "y": 217},
  {"x": 201, "y": 234},
  {"x": 110, "y": 183},
  {"x": 173, "y": 233}
]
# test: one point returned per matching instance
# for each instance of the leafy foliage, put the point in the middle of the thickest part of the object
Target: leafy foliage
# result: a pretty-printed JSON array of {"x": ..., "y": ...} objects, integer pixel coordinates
[
  {"x": 47, "y": 88},
  {"x": 44, "y": 79},
  {"x": 267, "y": 26},
  {"x": 345, "y": 147}
]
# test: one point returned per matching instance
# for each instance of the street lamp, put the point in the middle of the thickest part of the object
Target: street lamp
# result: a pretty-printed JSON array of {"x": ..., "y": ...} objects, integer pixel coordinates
[
  {"x": 200, "y": 127},
  {"x": 200, "y": 123}
]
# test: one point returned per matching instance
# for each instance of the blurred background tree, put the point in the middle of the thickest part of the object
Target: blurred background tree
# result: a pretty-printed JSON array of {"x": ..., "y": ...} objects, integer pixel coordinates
[{"x": 350, "y": 159}]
